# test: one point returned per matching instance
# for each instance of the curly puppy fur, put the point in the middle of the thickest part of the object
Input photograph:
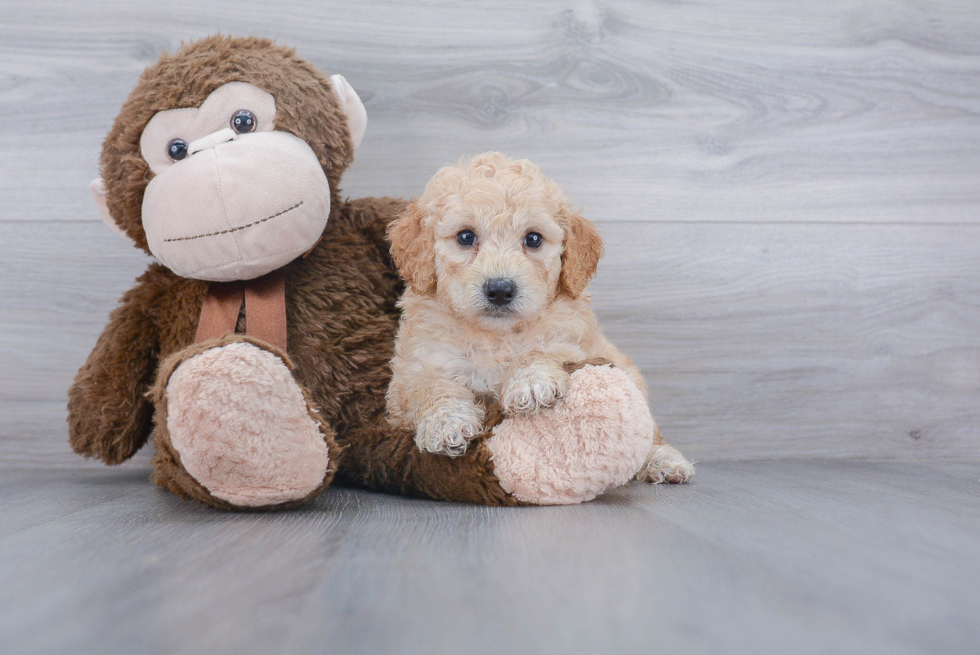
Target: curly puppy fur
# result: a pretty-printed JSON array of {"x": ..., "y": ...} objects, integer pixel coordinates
[
  {"x": 454, "y": 344},
  {"x": 340, "y": 300}
]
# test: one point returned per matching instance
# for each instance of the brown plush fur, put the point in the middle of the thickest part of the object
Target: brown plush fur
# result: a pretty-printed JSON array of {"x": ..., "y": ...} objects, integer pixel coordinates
[{"x": 340, "y": 300}]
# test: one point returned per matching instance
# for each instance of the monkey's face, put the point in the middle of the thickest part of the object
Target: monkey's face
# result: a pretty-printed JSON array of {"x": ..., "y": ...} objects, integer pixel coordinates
[
  {"x": 231, "y": 197},
  {"x": 225, "y": 158}
]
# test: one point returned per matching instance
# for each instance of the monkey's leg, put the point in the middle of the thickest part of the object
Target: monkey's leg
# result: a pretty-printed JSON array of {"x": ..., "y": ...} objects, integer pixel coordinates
[
  {"x": 593, "y": 439},
  {"x": 235, "y": 430}
]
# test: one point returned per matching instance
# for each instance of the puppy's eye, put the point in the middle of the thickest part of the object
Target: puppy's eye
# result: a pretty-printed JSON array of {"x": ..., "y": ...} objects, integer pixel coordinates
[
  {"x": 466, "y": 238},
  {"x": 243, "y": 121},
  {"x": 177, "y": 149},
  {"x": 533, "y": 240}
]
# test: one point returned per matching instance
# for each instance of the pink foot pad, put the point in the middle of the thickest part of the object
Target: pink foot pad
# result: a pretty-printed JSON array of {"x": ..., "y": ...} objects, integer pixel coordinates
[
  {"x": 242, "y": 427},
  {"x": 594, "y": 439}
]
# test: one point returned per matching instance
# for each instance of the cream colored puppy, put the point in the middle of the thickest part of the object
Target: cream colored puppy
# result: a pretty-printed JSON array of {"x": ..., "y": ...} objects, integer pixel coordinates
[{"x": 496, "y": 261}]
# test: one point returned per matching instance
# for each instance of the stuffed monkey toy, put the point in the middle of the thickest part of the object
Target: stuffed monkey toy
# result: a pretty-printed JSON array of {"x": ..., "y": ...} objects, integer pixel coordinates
[{"x": 256, "y": 348}]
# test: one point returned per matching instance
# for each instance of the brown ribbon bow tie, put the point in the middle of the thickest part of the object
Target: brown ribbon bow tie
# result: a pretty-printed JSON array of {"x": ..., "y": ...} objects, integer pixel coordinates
[{"x": 265, "y": 309}]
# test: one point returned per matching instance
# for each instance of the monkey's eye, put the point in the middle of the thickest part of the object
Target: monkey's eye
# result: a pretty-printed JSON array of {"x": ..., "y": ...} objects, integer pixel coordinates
[
  {"x": 177, "y": 149},
  {"x": 466, "y": 238},
  {"x": 533, "y": 240},
  {"x": 243, "y": 121}
]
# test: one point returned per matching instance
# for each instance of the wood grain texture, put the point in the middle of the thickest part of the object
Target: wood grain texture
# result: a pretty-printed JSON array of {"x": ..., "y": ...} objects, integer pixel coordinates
[
  {"x": 790, "y": 194},
  {"x": 715, "y": 111},
  {"x": 789, "y": 557},
  {"x": 757, "y": 341}
]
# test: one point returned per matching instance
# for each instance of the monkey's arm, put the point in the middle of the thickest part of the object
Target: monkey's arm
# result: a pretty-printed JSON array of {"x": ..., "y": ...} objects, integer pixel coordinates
[{"x": 109, "y": 416}]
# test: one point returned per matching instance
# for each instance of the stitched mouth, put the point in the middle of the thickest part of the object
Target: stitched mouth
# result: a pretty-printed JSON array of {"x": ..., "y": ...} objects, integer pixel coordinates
[{"x": 237, "y": 229}]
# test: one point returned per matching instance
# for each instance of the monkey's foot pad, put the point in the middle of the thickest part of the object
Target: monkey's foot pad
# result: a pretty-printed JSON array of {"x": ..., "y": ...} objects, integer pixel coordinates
[
  {"x": 242, "y": 427},
  {"x": 593, "y": 439}
]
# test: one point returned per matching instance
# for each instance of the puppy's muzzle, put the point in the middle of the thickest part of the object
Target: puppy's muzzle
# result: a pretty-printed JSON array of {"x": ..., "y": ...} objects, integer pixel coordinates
[{"x": 500, "y": 292}]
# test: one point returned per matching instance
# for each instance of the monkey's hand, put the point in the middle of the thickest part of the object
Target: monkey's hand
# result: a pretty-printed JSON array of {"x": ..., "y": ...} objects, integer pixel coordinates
[{"x": 109, "y": 416}]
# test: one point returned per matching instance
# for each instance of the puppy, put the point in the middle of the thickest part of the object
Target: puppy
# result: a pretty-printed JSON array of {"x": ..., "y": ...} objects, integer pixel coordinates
[{"x": 496, "y": 261}]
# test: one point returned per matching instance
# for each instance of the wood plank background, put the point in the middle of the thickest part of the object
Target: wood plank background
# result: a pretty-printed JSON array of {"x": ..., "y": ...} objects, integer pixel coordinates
[{"x": 790, "y": 192}]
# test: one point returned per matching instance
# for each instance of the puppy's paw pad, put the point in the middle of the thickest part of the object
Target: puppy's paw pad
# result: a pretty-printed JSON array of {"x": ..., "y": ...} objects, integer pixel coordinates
[
  {"x": 665, "y": 464},
  {"x": 448, "y": 430},
  {"x": 532, "y": 389}
]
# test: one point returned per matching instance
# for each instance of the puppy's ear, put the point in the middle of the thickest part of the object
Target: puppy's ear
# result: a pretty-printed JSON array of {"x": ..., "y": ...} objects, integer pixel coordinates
[
  {"x": 579, "y": 259},
  {"x": 412, "y": 249}
]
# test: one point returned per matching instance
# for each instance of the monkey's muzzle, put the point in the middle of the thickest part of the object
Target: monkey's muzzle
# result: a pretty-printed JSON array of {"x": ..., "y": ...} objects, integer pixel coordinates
[{"x": 238, "y": 207}]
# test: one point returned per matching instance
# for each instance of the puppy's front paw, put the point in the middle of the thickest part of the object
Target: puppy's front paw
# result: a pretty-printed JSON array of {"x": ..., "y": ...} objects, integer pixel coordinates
[
  {"x": 447, "y": 430},
  {"x": 534, "y": 387},
  {"x": 665, "y": 464}
]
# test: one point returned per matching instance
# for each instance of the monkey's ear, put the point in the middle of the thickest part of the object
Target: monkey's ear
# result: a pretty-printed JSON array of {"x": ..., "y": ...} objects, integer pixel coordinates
[
  {"x": 351, "y": 103},
  {"x": 97, "y": 187}
]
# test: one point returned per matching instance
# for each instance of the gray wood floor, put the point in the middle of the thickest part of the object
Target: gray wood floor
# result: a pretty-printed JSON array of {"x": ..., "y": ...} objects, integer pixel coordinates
[
  {"x": 788, "y": 557},
  {"x": 790, "y": 196}
]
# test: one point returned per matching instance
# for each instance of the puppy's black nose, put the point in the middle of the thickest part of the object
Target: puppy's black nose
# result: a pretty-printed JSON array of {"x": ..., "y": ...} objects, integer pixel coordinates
[{"x": 500, "y": 292}]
